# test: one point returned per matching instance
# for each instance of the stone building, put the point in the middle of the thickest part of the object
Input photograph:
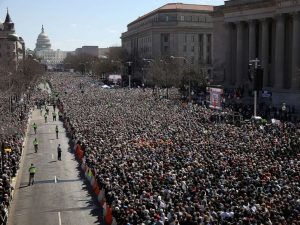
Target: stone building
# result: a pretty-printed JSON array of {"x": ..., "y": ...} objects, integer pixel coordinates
[
  {"x": 265, "y": 29},
  {"x": 175, "y": 29},
  {"x": 53, "y": 59},
  {"x": 12, "y": 47}
]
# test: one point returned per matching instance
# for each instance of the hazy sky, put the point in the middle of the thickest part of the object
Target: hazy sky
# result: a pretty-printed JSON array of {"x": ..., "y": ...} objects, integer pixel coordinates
[{"x": 73, "y": 23}]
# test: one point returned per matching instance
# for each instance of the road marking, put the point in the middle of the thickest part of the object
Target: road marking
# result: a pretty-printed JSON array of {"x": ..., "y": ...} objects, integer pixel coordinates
[
  {"x": 59, "y": 218},
  {"x": 55, "y": 180},
  {"x": 52, "y": 156}
]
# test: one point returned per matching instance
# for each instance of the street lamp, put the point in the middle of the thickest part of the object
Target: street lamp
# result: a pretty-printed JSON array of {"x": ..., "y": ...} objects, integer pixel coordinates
[
  {"x": 148, "y": 61},
  {"x": 129, "y": 72},
  {"x": 189, "y": 64}
]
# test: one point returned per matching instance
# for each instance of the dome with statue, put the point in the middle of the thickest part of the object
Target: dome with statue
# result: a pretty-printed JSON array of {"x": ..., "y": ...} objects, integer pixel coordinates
[{"x": 43, "y": 41}]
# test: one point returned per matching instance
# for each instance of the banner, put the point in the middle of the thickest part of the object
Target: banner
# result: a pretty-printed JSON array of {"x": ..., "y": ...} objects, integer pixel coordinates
[{"x": 216, "y": 98}]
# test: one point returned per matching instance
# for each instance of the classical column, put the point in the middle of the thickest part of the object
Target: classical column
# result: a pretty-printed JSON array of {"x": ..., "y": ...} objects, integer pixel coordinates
[
  {"x": 239, "y": 53},
  {"x": 205, "y": 48},
  {"x": 279, "y": 50},
  {"x": 252, "y": 40},
  {"x": 295, "y": 52},
  {"x": 265, "y": 50}
]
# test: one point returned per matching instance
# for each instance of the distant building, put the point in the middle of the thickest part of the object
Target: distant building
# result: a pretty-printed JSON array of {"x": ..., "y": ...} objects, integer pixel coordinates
[
  {"x": 265, "y": 29},
  {"x": 175, "y": 29},
  {"x": 12, "y": 47},
  {"x": 89, "y": 50},
  {"x": 51, "y": 58}
]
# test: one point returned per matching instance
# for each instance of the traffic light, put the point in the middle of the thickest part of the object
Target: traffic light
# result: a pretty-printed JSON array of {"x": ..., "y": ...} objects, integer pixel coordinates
[{"x": 258, "y": 79}]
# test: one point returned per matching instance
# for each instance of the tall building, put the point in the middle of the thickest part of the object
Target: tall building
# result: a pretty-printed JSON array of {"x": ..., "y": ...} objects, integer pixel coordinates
[
  {"x": 175, "y": 29},
  {"x": 12, "y": 47},
  {"x": 51, "y": 58},
  {"x": 265, "y": 29}
]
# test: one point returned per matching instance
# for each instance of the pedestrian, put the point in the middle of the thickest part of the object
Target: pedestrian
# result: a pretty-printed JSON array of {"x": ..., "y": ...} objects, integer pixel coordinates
[
  {"x": 54, "y": 107},
  {"x": 56, "y": 131},
  {"x": 47, "y": 110},
  {"x": 32, "y": 171},
  {"x": 41, "y": 111},
  {"x": 59, "y": 152},
  {"x": 54, "y": 116},
  {"x": 45, "y": 116},
  {"x": 34, "y": 127}
]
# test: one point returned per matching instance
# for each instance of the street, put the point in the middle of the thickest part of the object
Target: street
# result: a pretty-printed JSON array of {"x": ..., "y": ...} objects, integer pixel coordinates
[{"x": 59, "y": 194}]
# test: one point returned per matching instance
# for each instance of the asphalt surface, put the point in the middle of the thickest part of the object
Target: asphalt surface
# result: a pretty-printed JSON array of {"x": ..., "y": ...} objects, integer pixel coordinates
[{"x": 59, "y": 195}]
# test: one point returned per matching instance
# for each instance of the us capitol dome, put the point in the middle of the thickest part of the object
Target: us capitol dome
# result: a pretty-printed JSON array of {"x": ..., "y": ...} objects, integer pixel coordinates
[{"x": 43, "y": 41}]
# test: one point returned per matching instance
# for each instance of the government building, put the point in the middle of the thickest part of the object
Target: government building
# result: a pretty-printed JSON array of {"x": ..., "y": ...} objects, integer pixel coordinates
[
  {"x": 264, "y": 29},
  {"x": 175, "y": 29},
  {"x": 12, "y": 47},
  {"x": 52, "y": 59}
]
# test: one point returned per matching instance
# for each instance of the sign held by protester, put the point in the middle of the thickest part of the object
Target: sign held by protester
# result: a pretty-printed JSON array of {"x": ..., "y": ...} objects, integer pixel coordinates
[{"x": 216, "y": 98}]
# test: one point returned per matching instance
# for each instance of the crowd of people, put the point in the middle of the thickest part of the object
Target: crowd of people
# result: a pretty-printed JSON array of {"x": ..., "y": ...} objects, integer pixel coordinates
[
  {"x": 162, "y": 162},
  {"x": 13, "y": 120}
]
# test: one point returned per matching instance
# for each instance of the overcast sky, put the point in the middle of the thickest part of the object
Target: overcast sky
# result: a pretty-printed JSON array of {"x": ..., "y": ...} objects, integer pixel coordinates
[{"x": 73, "y": 23}]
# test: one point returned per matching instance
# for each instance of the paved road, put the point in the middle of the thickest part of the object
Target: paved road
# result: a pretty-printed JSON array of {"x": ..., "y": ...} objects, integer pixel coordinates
[{"x": 59, "y": 195}]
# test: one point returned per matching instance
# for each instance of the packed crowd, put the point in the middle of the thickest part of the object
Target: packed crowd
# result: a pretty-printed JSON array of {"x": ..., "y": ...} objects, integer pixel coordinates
[
  {"x": 161, "y": 162},
  {"x": 13, "y": 123}
]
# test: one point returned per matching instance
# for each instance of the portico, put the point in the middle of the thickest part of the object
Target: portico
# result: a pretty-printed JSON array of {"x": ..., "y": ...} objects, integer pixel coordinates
[{"x": 265, "y": 29}]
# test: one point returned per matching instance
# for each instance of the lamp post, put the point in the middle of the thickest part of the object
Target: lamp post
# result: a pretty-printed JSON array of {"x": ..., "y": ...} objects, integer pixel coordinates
[
  {"x": 255, "y": 63},
  {"x": 148, "y": 61},
  {"x": 129, "y": 72},
  {"x": 189, "y": 70}
]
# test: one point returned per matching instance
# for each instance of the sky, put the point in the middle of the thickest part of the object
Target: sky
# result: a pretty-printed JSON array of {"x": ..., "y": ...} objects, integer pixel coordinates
[{"x": 71, "y": 24}]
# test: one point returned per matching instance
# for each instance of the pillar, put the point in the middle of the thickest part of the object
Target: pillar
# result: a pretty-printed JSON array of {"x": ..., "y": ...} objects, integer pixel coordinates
[
  {"x": 205, "y": 48},
  {"x": 239, "y": 53},
  {"x": 252, "y": 40},
  {"x": 295, "y": 52},
  {"x": 279, "y": 50},
  {"x": 265, "y": 50}
]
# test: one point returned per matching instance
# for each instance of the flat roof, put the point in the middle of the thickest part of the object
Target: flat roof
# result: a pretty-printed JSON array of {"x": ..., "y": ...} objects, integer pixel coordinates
[{"x": 176, "y": 6}]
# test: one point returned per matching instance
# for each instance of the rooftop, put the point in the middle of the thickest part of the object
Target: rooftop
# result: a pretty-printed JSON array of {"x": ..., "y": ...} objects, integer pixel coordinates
[{"x": 177, "y": 6}]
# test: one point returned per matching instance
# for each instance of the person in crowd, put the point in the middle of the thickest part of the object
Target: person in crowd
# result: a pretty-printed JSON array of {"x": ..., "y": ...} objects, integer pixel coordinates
[
  {"x": 56, "y": 131},
  {"x": 31, "y": 170},
  {"x": 59, "y": 152},
  {"x": 163, "y": 162},
  {"x": 34, "y": 127}
]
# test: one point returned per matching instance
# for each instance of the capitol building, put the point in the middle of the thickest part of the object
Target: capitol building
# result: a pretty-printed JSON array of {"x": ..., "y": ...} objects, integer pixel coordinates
[{"x": 53, "y": 59}]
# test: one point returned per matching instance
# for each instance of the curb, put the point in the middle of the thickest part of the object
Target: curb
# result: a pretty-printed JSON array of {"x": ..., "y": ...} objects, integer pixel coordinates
[{"x": 15, "y": 179}]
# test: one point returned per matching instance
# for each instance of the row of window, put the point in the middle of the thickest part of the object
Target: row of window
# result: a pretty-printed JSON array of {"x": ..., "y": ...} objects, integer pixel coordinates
[
  {"x": 9, "y": 54},
  {"x": 8, "y": 46},
  {"x": 170, "y": 18}
]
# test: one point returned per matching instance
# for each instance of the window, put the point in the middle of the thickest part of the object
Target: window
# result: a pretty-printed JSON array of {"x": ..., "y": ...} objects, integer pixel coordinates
[
  {"x": 166, "y": 38},
  {"x": 0, "y": 55},
  {"x": 0, "y": 45},
  {"x": 181, "y": 18},
  {"x": 185, "y": 38},
  {"x": 166, "y": 48},
  {"x": 193, "y": 38},
  {"x": 167, "y": 18},
  {"x": 184, "y": 48},
  {"x": 192, "y": 60},
  {"x": 193, "y": 48}
]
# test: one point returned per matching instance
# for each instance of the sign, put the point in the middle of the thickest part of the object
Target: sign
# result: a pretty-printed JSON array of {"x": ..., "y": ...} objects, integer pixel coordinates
[
  {"x": 216, "y": 98},
  {"x": 266, "y": 94},
  {"x": 7, "y": 149}
]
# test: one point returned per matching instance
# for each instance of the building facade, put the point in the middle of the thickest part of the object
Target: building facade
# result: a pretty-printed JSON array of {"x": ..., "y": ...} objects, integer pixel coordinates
[
  {"x": 12, "y": 47},
  {"x": 268, "y": 30},
  {"x": 175, "y": 29}
]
